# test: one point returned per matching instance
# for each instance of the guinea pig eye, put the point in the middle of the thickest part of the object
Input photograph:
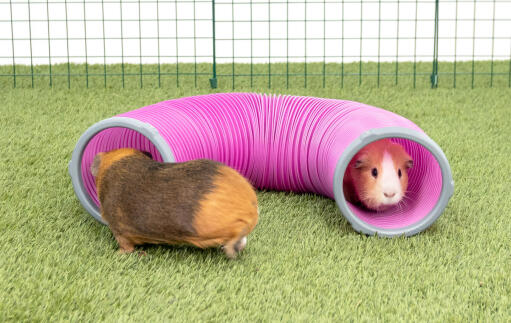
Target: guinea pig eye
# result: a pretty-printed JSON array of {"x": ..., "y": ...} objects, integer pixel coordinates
[
  {"x": 399, "y": 173},
  {"x": 374, "y": 172}
]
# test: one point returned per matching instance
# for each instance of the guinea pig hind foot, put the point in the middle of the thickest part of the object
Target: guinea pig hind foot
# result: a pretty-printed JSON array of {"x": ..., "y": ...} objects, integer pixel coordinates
[
  {"x": 125, "y": 245},
  {"x": 241, "y": 244},
  {"x": 233, "y": 247}
]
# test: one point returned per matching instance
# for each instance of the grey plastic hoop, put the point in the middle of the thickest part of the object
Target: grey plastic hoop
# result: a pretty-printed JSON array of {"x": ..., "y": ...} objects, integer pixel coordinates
[
  {"x": 75, "y": 164},
  {"x": 364, "y": 139},
  {"x": 393, "y": 132}
]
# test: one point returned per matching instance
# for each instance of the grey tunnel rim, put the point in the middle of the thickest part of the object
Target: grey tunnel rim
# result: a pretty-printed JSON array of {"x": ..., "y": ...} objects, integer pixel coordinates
[
  {"x": 393, "y": 132},
  {"x": 367, "y": 137},
  {"x": 75, "y": 164}
]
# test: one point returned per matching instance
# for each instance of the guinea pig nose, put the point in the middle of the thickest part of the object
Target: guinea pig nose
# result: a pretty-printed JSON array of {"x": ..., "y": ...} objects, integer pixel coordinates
[{"x": 389, "y": 195}]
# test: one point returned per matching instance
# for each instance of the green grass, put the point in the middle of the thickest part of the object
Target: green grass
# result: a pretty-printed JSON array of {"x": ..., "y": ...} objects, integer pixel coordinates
[
  {"x": 482, "y": 74},
  {"x": 303, "y": 261}
]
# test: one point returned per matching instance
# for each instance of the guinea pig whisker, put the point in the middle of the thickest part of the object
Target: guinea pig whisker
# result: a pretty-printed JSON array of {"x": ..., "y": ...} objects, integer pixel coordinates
[
  {"x": 406, "y": 202},
  {"x": 406, "y": 197},
  {"x": 399, "y": 208},
  {"x": 403, "y": 204}
]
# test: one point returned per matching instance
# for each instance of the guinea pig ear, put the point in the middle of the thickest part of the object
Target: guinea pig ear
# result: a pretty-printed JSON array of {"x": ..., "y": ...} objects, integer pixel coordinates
[
  {"x": 148, "y": 154},
  {"x": 409, "y": 164},
  {"x": 359, "y": 163},
  {"x": 94, "y": 168}
]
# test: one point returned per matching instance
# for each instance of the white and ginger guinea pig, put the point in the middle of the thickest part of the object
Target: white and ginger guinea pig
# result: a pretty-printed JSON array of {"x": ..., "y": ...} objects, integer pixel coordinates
[{"x": 377, "y": 176}]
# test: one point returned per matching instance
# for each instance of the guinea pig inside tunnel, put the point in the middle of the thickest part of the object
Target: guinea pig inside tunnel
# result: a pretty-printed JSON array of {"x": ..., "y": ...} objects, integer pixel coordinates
[{"x": 292, "y": 143}]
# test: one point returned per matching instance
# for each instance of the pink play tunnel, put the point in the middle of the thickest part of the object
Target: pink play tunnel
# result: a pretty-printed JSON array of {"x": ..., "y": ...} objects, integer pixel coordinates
[{"x": 291, "y": 143}]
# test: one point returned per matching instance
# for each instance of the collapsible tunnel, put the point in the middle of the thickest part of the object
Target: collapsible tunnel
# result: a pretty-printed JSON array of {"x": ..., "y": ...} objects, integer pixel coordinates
[{"x": 292, "y": 143}]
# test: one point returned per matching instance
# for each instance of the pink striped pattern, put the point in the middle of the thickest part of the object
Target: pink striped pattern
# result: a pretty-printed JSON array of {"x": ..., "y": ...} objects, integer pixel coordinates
[{"x": 278, "y": 142}]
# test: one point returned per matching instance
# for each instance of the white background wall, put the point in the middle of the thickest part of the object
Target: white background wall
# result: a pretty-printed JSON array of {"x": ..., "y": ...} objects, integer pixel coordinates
[{"x": 141, "y": 39}]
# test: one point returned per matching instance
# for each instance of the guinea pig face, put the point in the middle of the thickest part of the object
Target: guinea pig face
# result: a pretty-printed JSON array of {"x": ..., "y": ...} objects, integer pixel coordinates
[{"x": 381, "y": 176}]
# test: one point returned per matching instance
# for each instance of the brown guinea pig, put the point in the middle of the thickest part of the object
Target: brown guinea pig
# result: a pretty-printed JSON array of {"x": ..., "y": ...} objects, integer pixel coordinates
[
  {"x": 377, "y": 176},
  {"x": 200, "y": 202}
]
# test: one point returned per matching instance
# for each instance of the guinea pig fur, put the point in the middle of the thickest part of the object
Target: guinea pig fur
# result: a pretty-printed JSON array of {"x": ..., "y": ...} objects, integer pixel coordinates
[
  {"x": 200, "y": 202},
  {"x": 377, "y": 176}
]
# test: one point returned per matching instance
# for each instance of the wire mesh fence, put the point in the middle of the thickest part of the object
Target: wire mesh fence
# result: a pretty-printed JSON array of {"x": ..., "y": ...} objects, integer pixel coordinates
[{"x": 255, "y": 43}]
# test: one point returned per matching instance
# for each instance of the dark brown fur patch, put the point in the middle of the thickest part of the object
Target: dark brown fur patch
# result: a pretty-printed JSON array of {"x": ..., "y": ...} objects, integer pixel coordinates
[{"x": 151, "y": 202}]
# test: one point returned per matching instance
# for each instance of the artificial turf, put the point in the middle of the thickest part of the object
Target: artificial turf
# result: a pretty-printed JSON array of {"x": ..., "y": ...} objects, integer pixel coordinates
[{"x": 303, "y": 261}]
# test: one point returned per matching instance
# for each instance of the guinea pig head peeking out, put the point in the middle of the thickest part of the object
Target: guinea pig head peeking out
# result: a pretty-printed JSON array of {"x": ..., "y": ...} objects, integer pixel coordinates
[
  {"x": 200, "y": 202},
  {"x": 377, "y": 176}
]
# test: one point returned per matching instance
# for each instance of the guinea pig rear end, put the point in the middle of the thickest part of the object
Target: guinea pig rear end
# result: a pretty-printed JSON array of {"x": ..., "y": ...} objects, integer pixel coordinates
[
  {"x": 200, "y": 202},
  {"x": 227, "y": 214}
]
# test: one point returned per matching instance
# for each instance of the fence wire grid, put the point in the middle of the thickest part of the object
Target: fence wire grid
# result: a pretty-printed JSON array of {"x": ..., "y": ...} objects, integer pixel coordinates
[{"x": 242, "y": 43}]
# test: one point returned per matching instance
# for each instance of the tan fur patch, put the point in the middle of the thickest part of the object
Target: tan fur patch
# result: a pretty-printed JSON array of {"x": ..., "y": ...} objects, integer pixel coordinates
[
  {"x": 94, "y": 169},
  {"x": 231, "y": 192}
]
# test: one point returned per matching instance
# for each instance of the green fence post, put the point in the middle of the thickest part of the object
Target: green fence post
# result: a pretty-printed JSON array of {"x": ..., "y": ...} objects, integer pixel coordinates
[
  {"x": 13, "y": 56},
  {"x": 342, "y": 46},
  {"x": 67, "y": 46},
  {"x": 473, "y": 43},
  {"x": 361, "y": 32},
  {"x": 269, "y": 45},
  {"x": 30, "y": 39},
  {"x": 492, "y": 44},
  {"x": 434, "y": 75},
  {"x": 194, "y": 45},
  {"x": 140, "y": 46},
  {"x": 177, "y": 46},
  {"x": 49, "y": 41},
  {"x": 85, "y": 41},
  {"x": 233, "y": 48},
  {"x": 324, "y": 43},
  {"x": 104, "y": 40},
  {"x": 158, "y": 36},
  {"x": 213, "y": 82},
  {"x": 122, "y": 45}
]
